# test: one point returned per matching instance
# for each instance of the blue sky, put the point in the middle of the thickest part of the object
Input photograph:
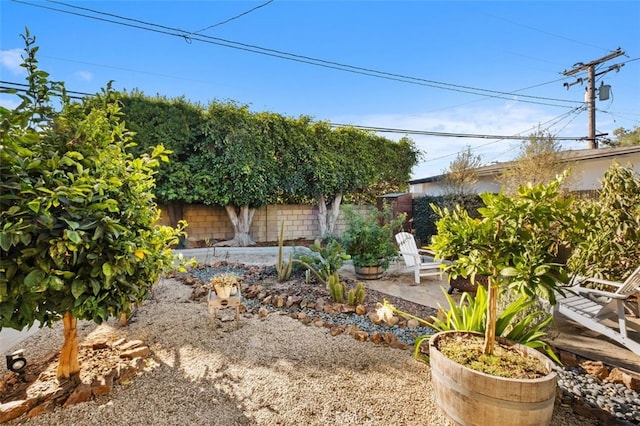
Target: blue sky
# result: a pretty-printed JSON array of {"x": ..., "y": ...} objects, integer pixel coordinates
[{"x": 484, "y": 68}]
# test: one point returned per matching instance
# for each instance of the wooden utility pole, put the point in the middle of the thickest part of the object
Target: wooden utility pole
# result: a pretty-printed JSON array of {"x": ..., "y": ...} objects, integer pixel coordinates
[{"x": 590, "y": 97}]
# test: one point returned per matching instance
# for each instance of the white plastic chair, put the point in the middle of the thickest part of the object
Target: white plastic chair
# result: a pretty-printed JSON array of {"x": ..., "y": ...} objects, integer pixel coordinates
[{"x": 414, "y": 258}]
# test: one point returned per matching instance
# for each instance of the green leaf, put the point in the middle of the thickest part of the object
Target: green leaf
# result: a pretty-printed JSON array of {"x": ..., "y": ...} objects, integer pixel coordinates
[
  {"x": 509, "y": 272},
  {"x": 5, "y": 241},
  {"x": 55, "y": 283},
  {"x": 35, "y": 280},
  {"x": 73, "y": 236},
  {"x": 77, "y": 288},
  {"x": 34, "y": 205},
  {"x": 95, "y": 286},
  {"x": 107, "y": 270}
]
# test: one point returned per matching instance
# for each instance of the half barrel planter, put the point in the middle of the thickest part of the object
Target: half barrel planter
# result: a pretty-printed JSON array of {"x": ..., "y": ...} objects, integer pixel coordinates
[
  {"x": 470, "y": 397},
  {"x": 368, "y": 272}
]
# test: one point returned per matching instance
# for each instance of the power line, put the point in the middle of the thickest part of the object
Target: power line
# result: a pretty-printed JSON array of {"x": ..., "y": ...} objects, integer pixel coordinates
[
  {"x": 449, "y": 134},
  {"x": 575, "y": 111},
  {"x": 190, "y": 37},
  {"x": 233, "y": 17},
  {"x": 21, "y": 87}
]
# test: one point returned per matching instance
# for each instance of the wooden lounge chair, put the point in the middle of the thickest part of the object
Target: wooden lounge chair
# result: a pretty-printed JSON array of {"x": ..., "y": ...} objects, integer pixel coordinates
[
  {"x": 589, "y": 307},
  {"x": 414, "y": 258}
]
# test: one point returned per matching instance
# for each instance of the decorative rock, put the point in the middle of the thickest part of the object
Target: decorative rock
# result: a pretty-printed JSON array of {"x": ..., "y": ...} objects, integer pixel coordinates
[
  {"x": 102, "y": 386},
  {"x": 118, "y": 342},
  {"x": 126, "y": 372},
  {"x": 397, "y": 344},
  {"x": 377, "y": 338},
  {"x": 263, "y": 312},
  {"x": 319, "y": 305},
  {"x": 14, "y": 409},
  {"x": 389, "y": 337},
  {"x": 82, "y": 393},
  {"x": 329, "y": 309},
  {"x": 413, "y": 323},
  {"x": 627, "y": 378},
  {"x": 318, "y": 322},
  {"x": 347, "y": 309},
  {"x": 393, "y": 320},
  {"x": 302, "y": 315},
  {"x": 45, "y": 407},
  {"x": 361, "y": 336},
  {"x": 595, "y": 368},
  {"x": 278, "y": 301},
  {"x": 361, "y": 310},
  {"x": 267, "y": 300},
  {"x": 141, "y": 351},
  {"x": 99, "y": 344},
  {"x": 374, "y": 318},
  {"x": 351, "y": 329},
  {"x": 292, "y": 300},
  {"x": 339, "y": 329}
]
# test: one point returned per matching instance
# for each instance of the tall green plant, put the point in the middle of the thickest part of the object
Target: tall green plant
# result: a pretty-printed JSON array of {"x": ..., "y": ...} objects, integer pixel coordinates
[
  {"x": 80, "y": 237},
  {"x": 515, "y": 243},
  {"x": 368, "y": 239},
  {"x": 608, "y": 242},
  {"x": 324, "y": 259},
  {"x": 283, "y": 267}
]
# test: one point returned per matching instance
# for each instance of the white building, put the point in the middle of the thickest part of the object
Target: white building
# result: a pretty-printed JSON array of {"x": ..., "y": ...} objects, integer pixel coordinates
[{"x": 587, "y": 169}]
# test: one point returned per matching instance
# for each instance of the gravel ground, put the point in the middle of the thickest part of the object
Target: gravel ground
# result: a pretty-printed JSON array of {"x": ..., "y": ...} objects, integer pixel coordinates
[{"x": 272, "y": 371}]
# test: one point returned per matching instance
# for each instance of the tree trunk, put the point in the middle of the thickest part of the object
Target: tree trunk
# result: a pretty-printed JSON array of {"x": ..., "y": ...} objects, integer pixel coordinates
[
  {"x": 68, "y": 364},
  {"x": 241, "y": 219},
  {"x": 327, "y": 222},
  {"x": 492, "y": 317},
  {"x": 175, "y": 213}
]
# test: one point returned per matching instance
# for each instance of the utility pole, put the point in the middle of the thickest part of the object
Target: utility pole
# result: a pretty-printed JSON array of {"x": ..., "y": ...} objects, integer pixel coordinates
[{"x": 590, "y": 97}]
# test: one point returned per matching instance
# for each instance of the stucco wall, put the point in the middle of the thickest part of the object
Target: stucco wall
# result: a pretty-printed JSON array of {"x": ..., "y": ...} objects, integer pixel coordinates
[{"x": 585, "y": 175}]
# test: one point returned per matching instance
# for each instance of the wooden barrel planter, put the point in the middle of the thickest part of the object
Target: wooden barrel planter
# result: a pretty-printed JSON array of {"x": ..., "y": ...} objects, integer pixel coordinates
[
  {"x": 469, "y": 397},
  {"x": 368, "y": 272}
]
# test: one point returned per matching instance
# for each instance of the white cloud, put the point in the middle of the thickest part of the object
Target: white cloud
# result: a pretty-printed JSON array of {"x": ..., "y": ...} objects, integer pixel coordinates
[
  {"x": 84, "y": 75},
  {"x": 11, "y": 60},
  {"x": 507, "y": 119}
]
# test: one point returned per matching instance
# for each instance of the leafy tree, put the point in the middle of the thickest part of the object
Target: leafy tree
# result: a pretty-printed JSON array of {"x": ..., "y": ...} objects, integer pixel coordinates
[
  {"x": 243, "y": 160},
  {"x": 537, "y": 162},
  {"x": 608, "y": 245},
  {"x": 176, "y": 124},
  {"x": 237, "y": 166},
  {"x": 394, "y": 162},
  {"x": 514, "y": 244},
  {"x": 462, "y": 175},
  {"x": 348, "y": 161},
  {"x": 624, "y": 137},
  {"x": 78, "y": 236}
]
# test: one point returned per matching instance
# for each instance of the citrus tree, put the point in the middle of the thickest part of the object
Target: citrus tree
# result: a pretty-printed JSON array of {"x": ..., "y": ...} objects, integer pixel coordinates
[
  {"x": 78, "y": 234},
  {"x": 515, "y": 243}
]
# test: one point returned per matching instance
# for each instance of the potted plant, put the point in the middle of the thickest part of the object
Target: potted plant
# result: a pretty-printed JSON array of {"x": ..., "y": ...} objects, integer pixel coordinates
[
  {"x": 368, "y": 239},
  {"x": 514, "y": 244},
  {"x": 225, "y": 284}
]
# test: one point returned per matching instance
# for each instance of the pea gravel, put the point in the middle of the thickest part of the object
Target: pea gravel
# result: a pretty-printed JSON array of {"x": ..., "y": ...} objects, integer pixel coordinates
[{"x": 272, "y": 371}]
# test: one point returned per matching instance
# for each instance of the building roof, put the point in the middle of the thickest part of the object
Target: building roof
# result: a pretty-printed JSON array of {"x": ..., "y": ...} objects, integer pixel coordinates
[{"x": 565, "y": 156}]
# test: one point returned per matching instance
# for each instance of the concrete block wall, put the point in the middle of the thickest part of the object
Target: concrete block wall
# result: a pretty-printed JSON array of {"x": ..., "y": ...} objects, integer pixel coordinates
[{"x": 211, "y": 223}]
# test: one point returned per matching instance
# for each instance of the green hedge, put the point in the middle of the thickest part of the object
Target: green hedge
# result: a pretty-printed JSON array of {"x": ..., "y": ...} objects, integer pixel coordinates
[{"x": 424, "y": 218}]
